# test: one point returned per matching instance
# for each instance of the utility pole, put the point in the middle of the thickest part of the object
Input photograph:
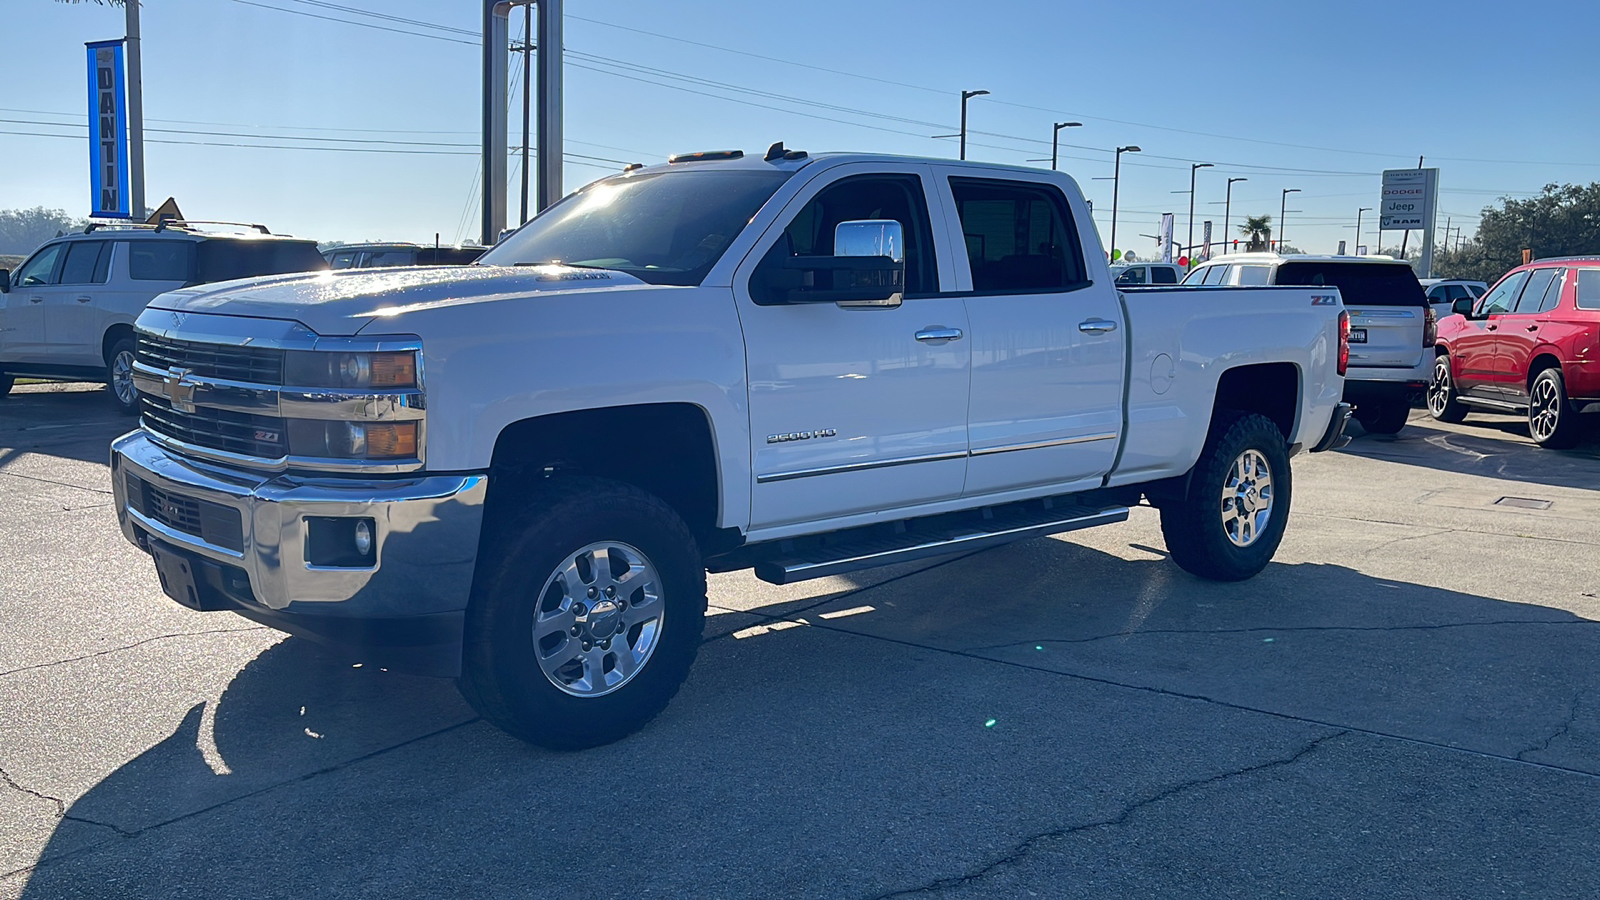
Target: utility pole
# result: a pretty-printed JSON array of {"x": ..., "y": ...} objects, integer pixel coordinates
[
  {"x": 1116, "y": 184},
  {"x": 1358, "y": 223},
  {"x": 1193, "y": 168},
  {"x": 1055, "y": 137},
  {"x": 527, "y": 93},
  {"x": 1227, "y": 208},
  {"x": 1283, "y": 210},
  {"x": 965, "y": 96},
  {"x": 135, "y": 114}
]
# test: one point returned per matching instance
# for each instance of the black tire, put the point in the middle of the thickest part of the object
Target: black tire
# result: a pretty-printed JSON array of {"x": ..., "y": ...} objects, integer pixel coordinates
[
  {"x": 1383, "y": 416},
  {"x": 1196, "y": 527},
  {"x": 1443, "y": 402},
  {"x": 501, "y": 675},
  {"x": 1552, "y": 421},
  {"x": 119, "y": 380}
]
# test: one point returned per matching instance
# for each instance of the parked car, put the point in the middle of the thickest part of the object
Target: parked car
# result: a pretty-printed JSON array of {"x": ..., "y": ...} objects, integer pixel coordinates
[
  {"x": 1391, "y": 324},
  {"x": 1530, "y": 345},
  {"x": 69, "y": 309},
  {"x": 1444, "y": 292},
  {"x": 781, "y": 363},
  {"x": 1133, "y": 274},
  {"x": 377, "y": 256}
]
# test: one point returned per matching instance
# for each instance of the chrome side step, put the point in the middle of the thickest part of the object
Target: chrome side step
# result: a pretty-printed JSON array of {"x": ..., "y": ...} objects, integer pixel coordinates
[
  {"x": 920, "y": 544},
  {"x": 1506, "y": 405}
]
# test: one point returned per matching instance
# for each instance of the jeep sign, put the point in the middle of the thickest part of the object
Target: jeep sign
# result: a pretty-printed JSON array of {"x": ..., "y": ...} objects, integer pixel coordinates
[{"x": 1408, "y": 199}]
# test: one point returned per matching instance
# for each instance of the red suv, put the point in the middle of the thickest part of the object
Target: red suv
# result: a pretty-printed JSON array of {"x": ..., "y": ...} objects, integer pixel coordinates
[{"x": 1532, "y": 343}]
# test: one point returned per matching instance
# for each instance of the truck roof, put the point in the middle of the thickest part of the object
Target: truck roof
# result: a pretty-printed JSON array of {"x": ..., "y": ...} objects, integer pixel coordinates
[
  {"x": 794, "y": 160},
  {"x": 1271, "y": 258}
]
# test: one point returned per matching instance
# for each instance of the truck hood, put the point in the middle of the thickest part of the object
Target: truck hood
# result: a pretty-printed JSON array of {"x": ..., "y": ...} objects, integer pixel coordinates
[{"x": 342, "y": 303}]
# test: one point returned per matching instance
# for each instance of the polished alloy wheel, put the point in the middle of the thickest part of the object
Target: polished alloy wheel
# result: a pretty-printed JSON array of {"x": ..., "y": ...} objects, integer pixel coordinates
[
  {"x": 122, "y": 378},
  {"x": 598, "y": 619},
  {"x": 1544, "y": 409},
  {"x": 1247, "y": 498},
  {"x": 1439, "y": 387}
]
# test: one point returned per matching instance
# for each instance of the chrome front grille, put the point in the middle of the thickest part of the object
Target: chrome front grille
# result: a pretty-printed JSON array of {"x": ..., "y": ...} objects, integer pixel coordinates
[
  {"x": 257, "y": 365},
  {"x": 258, "y": 437}
]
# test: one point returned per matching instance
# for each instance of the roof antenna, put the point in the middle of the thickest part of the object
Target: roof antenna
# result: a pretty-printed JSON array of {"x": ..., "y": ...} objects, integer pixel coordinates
[{"x": 776, "y": 151}]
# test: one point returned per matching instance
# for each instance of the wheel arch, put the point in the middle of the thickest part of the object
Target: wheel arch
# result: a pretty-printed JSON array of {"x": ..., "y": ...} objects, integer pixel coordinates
[
  {"x": 1543, "y": 358},
  {"x": 1271, "y": 389},
  {"x": 114, "y": 334}
]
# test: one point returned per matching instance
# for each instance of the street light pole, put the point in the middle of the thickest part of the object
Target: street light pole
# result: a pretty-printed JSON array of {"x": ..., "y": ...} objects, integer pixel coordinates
[
  {"x": 1193, "y": 168},
  {"x": 1358, "y": 222},
  {"x": 1227, "y": 208},
  {"x": 1283, "y": 209},
  {"x": 965, "y": 96},
  {"x": 1055, "y": 136},
  {"x": 1116, "y": 184}
]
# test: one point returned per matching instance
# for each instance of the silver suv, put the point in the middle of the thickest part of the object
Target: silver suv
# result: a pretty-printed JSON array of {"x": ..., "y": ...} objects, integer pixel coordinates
[{"x": 67, "y": 312}]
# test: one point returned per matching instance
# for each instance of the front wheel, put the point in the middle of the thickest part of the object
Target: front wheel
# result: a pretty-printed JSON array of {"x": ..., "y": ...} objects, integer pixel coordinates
[
  {"x": 1551, "y": 419},
  {"x": 119, "y": 378},
  {"x": 1231, "y": 519},
  {"x": 1383, "y": 416},
  {"x": 1442, "y": 401},
  {"x": 586, "y": 615}
]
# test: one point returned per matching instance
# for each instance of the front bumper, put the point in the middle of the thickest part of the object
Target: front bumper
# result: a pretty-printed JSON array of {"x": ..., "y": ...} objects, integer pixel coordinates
[{"x": 413, "y": 595}]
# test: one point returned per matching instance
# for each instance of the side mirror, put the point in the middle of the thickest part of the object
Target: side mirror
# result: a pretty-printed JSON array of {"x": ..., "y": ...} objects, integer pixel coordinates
[
  {"x": 867, "y": 269},
  {"x": 5, "y": 281},
  {"x": 1463, "y": 306}
]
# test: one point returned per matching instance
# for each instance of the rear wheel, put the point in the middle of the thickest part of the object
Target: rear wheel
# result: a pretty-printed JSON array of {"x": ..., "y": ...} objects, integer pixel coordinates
[
  {"x": 119, "y": 377},
  {"x": 1552, "y": 421},
  {"x": 1231, "y": 520},
  {"x": 1442, "y": 401},
  {"x": 1383, "y": 416},
  {"x": 586, "y": 615}
]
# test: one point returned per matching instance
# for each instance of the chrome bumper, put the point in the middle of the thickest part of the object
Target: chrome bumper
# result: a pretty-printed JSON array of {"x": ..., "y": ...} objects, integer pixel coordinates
[{"x": 425, "y": 541}]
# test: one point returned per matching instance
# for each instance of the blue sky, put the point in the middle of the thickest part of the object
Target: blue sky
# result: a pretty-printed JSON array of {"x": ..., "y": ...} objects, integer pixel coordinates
[{"x": 1315, "y": 96}]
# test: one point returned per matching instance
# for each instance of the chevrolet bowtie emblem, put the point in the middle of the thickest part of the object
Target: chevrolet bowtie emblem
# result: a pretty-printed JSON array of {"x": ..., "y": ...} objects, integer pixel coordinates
[{"x": 180, "y": 390}]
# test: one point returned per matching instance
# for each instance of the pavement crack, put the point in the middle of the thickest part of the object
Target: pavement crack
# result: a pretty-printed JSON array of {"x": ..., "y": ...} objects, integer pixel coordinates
[
  {"x": 1027, "y": 845},
  {"x": 64, "y": 484},
  {"x": 60, "y": 804},
  {"x": 159, "y": 637},
  {"x": 1292, "y": 629},
  {"x": 1410, "y": 537},
  {"x": 1555, "y": 540},
  {"x": 1560, "y": 731}
]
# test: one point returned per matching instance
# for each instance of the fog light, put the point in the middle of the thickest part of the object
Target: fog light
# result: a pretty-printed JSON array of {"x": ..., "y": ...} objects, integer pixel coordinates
[
  {"x": 363, "y": 537},
  {"x": 340, "y": 542}
]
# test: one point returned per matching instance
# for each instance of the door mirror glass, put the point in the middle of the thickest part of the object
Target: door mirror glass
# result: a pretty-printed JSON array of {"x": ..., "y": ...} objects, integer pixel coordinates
[
  {"x": 1462, "y": 306},
  {"x": 870, "y": 237},
  {"x": 5, "y": 281}
]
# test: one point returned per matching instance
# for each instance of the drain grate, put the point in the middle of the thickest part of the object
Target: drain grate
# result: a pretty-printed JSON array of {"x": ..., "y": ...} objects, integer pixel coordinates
[{"x": 1524, "y": 503}]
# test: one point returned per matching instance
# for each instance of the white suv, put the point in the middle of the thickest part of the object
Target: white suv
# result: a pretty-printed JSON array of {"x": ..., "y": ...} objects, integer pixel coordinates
[
  {"x": 1392, "y": 327},
  {"x": 67, "y": 312}
]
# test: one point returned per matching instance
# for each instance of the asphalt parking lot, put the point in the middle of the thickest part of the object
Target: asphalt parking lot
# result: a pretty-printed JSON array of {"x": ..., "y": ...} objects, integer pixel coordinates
[{"x": 1406, "y": 703}]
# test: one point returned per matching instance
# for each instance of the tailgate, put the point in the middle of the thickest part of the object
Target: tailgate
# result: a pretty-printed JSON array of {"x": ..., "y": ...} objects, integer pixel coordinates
[{"x": 1385, "y": 336}]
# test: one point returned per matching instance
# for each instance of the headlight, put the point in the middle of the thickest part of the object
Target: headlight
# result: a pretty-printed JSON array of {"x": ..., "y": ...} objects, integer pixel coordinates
[
  {"x": 328, "y": 439},
  {"x": 376, "y": 369}
]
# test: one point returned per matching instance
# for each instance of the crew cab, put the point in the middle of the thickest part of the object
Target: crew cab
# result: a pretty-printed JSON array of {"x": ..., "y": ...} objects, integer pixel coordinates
[
  {"x": 519, "y": 472},
  {"x": 1391, "y": 323},
  {"x": 1530, "y": 345}
]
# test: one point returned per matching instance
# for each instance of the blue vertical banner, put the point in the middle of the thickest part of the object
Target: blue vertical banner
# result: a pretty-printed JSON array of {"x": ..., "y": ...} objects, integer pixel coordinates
[{"x": 108, "y": 131}]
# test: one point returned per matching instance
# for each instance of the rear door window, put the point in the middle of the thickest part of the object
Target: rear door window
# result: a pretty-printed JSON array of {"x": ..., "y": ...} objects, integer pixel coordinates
[
  {"x": 1163, "y": 275},
  {"x": 1020, "y": 236},
  {"x": 1134, "y": 275},
  {"x": 227, "y": 259},
  {"x": 1558, "y": 286},
  {"x": 344, "y": 259},
  {"x": 388, "y": 258},
  {"x": 1533, "y": 292},
  {"x": 160, "y": 260},
  {"x": 83, "y": 265},
  {"x": 1360, "y": 284}
]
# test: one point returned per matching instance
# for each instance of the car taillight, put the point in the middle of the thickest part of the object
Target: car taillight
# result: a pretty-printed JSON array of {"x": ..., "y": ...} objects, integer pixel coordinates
[
  {"x": 1344, "y": 340},
  {"x": 1430, "y": 328}
]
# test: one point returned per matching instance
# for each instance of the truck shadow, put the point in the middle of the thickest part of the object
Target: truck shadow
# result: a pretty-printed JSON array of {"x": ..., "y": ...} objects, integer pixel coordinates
[
  {"x": 1499, "y": 449},
  {"x": 932, "y": 711},
  {"x": 65, "y": 421}
]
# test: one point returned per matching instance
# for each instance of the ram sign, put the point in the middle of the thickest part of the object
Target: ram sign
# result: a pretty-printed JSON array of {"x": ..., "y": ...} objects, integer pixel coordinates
[{"x": 1408, "y": 200}]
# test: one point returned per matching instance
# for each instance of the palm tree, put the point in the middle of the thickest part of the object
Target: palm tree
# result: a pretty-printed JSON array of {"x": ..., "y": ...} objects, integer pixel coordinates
[{"x": 1254, "y": 228}]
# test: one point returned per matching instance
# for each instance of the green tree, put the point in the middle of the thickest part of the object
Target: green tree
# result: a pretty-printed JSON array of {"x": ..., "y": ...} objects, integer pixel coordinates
[
  {"x": 1561, "y": 220},
  {"x": 22, "y": 230},
  {"x": 1259, "y": 230}
]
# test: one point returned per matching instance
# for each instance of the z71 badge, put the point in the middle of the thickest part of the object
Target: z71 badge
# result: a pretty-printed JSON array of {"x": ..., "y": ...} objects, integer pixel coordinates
[{"x": 800, "y": 436}]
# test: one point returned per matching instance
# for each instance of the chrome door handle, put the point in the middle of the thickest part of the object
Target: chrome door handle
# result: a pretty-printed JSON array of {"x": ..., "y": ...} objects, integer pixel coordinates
[
  {"x": 938, "y": 334},
  {"x": 35, "y": 299},
  {"x": 1493, "y": 327},
  {"x": 1533, "y": 328},
  {"x": 84, "y": 299},
  {"x": 1097, "y": 326}
]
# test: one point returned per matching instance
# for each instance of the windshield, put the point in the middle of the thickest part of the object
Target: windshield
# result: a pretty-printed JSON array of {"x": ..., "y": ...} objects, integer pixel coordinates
[
  {"x": 1359, "y": 284},
  {"x": 663, "y": 228}
]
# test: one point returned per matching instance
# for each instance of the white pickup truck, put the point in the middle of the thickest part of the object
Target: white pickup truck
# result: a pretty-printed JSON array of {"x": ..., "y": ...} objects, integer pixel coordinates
[{"x": 518, "y": 473}]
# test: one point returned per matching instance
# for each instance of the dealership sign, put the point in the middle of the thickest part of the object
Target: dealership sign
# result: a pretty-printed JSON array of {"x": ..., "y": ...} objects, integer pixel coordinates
[
  {"x": 108, "y": 132},
  {"x": 1409, "y": 199}
]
